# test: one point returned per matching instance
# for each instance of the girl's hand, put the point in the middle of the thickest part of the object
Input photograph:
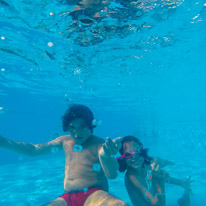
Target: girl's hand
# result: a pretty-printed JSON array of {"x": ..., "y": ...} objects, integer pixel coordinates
[
  {"x": 186, "y": 183},
  {"x": 159, "y": 163},
  {"x": 160, "y": 174}
]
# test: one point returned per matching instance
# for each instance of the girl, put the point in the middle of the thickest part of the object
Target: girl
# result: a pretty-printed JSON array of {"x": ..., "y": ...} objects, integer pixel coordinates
[{"x": 144, "y": 178}]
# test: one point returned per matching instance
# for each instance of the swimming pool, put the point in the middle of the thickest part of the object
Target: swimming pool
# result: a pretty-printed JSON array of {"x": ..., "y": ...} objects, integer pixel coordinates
[{"x": 142, "y": 73}]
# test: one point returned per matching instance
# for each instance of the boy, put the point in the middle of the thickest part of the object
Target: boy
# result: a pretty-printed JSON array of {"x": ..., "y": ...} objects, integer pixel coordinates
[{"x": 87, "y": 159}]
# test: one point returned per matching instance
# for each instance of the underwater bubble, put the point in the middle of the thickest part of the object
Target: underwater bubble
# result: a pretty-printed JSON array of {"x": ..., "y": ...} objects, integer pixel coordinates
[
  {"x": 3, "y": 69},
  {"x": 2, "y": 37},
  {"x": 54, "y": 149},
  {"x": 51, "y": 13},
  {"x": 103, "y": 13},
  {"x": 50, "y": 44},
  {"x": 77, "y": 71},
  {"x": 69, "y": 100},
  {"x": 96, "y": 167},
  {"x": 2, "y": 110},
  {"x": 85, "y": 189},
  {"x": 77, "y": 148},
  {"x": 20, "y": 158}
]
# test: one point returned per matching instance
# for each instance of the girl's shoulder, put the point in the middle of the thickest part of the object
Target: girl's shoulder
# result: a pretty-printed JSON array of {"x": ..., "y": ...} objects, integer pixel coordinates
[{"x": 131, "y": 176}]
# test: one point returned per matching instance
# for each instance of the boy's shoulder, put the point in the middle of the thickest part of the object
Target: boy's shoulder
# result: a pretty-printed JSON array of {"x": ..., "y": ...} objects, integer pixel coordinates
[
  {"x": 64, "y": 138},
  {"x": 93, "y": 140},
  {"x": 97, "y": 140}
]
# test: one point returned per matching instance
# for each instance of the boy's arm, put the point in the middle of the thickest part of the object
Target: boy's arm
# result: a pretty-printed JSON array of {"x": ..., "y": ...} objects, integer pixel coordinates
[
  {"x": 108, "y": 162},
  {"x": 32, "y": 149}
]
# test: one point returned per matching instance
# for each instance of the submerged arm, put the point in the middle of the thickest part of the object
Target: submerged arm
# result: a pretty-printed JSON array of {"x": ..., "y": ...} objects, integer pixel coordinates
[
  {"x": 108, "y": 162},
  {"x": 31, "y": 149},
  {"x": 137, "y": 190},
  {"x": 186, "y": 183}
]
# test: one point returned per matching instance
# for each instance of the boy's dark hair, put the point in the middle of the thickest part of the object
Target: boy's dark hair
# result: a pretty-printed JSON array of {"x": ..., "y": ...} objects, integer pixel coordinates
[
  {"x": 77, "y": 111},
  {"x": 143, "y": 153}
]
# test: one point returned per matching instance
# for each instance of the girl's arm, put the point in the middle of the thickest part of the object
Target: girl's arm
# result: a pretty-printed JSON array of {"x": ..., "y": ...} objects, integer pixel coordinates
[
  {"x": 135, "y": 189},
  {"x": 186, "y": 183}
]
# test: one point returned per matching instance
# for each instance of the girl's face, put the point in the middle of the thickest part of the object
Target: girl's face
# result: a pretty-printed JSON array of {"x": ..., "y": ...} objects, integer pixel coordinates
[{"x": 135, "y": 160}]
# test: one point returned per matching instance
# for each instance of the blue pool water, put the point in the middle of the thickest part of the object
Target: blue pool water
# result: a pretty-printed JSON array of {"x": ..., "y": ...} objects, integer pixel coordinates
[{"x": 142, "y": 74}]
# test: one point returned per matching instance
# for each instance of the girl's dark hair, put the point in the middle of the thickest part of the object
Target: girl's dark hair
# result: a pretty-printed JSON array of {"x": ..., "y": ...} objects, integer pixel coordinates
[
  {"x": 143, "y": 152},
  {"x": 77, "y": 111}
]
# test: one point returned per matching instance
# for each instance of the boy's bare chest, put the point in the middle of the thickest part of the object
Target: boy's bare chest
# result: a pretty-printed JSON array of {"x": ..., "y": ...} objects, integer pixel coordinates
[{"x": 80, "y": 154}]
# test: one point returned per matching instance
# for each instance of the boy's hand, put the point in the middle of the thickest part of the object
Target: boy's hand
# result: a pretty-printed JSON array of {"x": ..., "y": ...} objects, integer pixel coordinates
[{"x": 111, "y": 147}]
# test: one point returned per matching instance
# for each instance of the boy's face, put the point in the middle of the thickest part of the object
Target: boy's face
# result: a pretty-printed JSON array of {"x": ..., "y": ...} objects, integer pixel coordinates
[
  {"x": 79, "y": 131},
  {"x": 136, "y": 160}
]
